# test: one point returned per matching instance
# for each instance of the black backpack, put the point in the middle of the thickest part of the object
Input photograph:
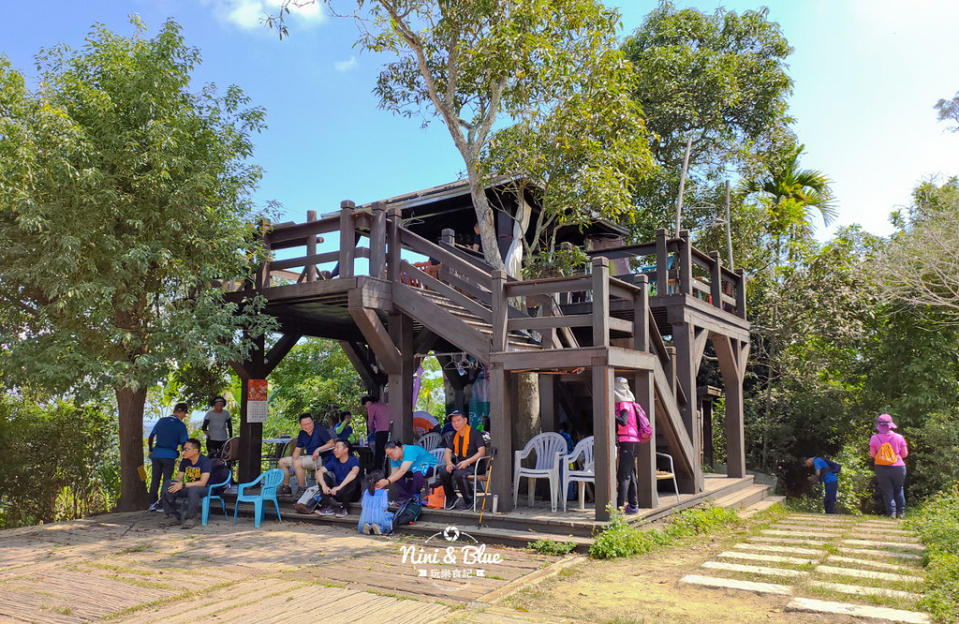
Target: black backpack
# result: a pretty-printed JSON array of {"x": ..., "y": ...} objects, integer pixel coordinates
[
  {"x": 408, "y": 512},
  {"x": 218, "y": 474},
  {"x": 833, "y": 468}
]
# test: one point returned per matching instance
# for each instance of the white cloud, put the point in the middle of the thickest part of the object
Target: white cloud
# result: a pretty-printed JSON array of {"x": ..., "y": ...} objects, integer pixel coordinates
[
  {"x": 249, "y": 14},
  {"x": 344, "y": 66}
]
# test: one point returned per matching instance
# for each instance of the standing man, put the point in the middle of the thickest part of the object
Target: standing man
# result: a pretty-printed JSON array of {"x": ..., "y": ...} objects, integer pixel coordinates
[
  {"x": 464, "y": 448},
  {"x": 218, "y": 427},
  {"x": 377, "y": 423},
  {"x": 168, "y": 434},
  {"x": 191, "y": 481},
  {"x": 411, "y": 467},
  {"x": 313, "y": 440}
]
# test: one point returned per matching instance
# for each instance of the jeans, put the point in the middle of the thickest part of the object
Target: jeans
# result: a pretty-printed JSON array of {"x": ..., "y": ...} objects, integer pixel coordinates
[
  {"x": 193, "y": 497},
  {"x": 829, "y": 500},
  {"x": 379, "y": 449},
  {"x": 457, "y": 480},
  {"x": 162, "y": 466},
  {"x": 626, "y": 474},
  {"x": 213, "y": 447},
  {"x": 890, "y": 480}
]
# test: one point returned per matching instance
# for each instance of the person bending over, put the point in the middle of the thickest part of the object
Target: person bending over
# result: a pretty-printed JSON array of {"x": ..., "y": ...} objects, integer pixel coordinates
[{"x": 411, "y": 466}]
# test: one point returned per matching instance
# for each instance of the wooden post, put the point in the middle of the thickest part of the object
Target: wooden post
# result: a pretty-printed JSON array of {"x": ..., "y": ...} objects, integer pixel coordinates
[
  {"x": 251, "y": 434},
  {"x": 685, "y": 264},
  {"x": 662, "y": 263},
  {"x": 310, "y": 269},
  {"x": 401, "y": 381},
  {"x": 600, "y": 302},
  {"x": 604, "y": 441},
  {"x": 646, "y": 458},
  {"x": 347, "y": 238},
  {"x": 547, "y": 403},
  {"x": 671, "y": 352},
  {"x": 395, "y": 245},
  {"x": 641, "y": 315},
  {"x": 501, "y": 429},
  {"x": 378, "y": 242},
  {"x": 684, "y": 339},
  {"x": 707, "y": 431},
  {"x": 716, "y": 279},
  {"x": 741, "y": 293},
  {"x": 500, "y": 309},
  {"x": 733, "y": 355}
]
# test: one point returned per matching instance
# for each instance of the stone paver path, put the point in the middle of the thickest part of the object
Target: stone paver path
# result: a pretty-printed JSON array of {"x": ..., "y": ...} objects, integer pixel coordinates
[
  {"x": 126, "y": 568},
  {"x": 833, "y": 565}
]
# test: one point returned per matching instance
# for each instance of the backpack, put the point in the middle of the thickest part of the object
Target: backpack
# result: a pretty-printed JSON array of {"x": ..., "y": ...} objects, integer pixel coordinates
[
  {"x": 408, "y": 512},
  {"x": 642, "y": 424},
  {"x": 886, "y": 456},
  {"x": 833, "y": 466},
  {"x": 218, "y": 473}
]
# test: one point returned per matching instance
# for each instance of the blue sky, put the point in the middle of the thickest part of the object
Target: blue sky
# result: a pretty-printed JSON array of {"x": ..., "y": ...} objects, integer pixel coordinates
[{"x": 866, "y": 72}]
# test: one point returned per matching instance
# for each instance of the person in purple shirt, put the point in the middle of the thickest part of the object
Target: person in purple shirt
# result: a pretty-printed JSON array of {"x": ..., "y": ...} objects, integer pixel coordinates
[
  {"x": 377, "y": 423},
  {"x": 888, "y": 450}
]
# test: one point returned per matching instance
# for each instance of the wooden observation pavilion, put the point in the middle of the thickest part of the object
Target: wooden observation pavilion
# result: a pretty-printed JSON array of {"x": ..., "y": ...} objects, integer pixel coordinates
[{"x": 644, "y": 312}]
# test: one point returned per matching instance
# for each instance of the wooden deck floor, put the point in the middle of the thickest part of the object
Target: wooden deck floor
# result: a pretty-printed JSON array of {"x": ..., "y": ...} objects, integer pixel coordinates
[{"x": 126, "y": 568}]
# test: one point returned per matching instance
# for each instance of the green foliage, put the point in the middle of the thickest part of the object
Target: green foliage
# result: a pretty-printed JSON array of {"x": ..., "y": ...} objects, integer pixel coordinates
[
  {"x": 560, "y": 262},
  {"x": 937, "y": 523},
  {"x": 551, "y": 547},
  {"x": 126, "y": 201},
  {"x": 720, "y": 79},
  {"x": 621, "y": 539},
  {"x": 58, "y": 461},
  {"x": 949, "y": 110}
]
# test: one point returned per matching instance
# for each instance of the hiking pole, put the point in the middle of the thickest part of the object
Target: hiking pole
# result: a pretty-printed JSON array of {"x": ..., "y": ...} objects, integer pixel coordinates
[{"x": 489, "y": 477}]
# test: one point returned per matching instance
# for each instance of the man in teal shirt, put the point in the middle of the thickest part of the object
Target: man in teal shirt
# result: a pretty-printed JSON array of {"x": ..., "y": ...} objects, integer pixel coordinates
[{"x": 411, "y": 466}]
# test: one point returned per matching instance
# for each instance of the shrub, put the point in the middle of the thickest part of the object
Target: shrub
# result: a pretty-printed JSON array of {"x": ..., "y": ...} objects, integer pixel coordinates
[
  {"x": 621, "y": 539},
  {"x": 937, "y": 523},
  {"x": 550, "y": 547},
  {"x": 57, "y": 461}
]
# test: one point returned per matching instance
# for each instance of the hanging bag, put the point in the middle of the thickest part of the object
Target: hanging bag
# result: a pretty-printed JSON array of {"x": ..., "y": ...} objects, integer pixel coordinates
[{"x": 642, "y": 424}]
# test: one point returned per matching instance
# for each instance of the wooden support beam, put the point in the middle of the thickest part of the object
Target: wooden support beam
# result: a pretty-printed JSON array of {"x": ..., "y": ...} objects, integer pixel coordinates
[
  {"x": 641, "y": 315},
  {"x": 347, "y": 238},
  {"x": 501, "y": 429},
  {"x": 394, "y": 245},
  {"x": 716, "y": 279},
  {"x": 378, "y": 338},
  {"x": 251, "y": 434},
  {"x": 732, "y": 355},
  {"x": 309, "y": 271},
  {"x": 279, "y": 350},
  {"x": 378, "y": 242},
  {"x": 548, "y": 417},
  {"x": 401, "y": 380},
  {"x": 646, "y": 458},
  {"x": 604, "y": 441},
  {"x": 600, "y": 285},
  {"x": 684, "y": 337},
  {"x": 699, "y": 348},
  {"x": 500, "y": 310},
  {"x": 662, "y": 264},
  {"x": 364, "y": 367},
  {"x": 441, "y": 322},
  {"x": 741, "y": 293},
  {"x": 685, "y": 263}
]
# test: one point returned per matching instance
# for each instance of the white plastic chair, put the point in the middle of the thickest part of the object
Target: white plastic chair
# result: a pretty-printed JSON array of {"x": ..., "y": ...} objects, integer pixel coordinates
[
  {"x": 439, "y": 454},
  {"x": 548, "y": 448},
  {"x": 429, "y": 441},
  {"x": 587, "y": 474},
  {"x": 662, "y": 475}
]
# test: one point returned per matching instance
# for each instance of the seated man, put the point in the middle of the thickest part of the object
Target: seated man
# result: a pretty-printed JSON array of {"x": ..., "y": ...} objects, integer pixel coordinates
[
  {"x": 411, "y": 466},
  {"x": 190, "y": 484},
  {"x": 312, "y": 439},
  {"x": 464, "y": 448},
  {"x": 339, "y": 480}
]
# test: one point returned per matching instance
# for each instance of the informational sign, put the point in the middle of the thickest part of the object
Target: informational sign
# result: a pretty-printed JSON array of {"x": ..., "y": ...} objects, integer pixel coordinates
[{"x": 256, "y": 395}]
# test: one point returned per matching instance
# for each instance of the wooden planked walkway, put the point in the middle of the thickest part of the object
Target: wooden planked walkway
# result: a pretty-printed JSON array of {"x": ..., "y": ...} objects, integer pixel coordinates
[{"x": 125, "y": 568}]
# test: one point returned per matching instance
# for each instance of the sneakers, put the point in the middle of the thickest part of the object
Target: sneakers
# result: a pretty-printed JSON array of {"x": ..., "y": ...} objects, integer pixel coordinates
[
  {"x": 301, "y": 508},
  {"x": 630, "y": 510},
  {"x": 341, "y": 511},
  {"x": 324, "y": 511},
  {"x": 367, "y": 530},
  {"x": 376, "y": 529},
  {"x": 155, "y": 506},
  {"x": 458, "y": 503},
  {"x": 284, "y": 490}
]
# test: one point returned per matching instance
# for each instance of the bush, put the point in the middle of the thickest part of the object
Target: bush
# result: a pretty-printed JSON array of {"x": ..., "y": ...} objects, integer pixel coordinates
[
  {"x": 58, "y": 461},
  {"x": 550, "y": 547},
  {"x": 937, "y": 523},
  {"x": 621, "y": 539}
]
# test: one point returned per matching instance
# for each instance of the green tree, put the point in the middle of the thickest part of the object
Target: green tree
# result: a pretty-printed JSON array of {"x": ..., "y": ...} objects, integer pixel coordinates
[
  {"x": 125, "y": 199},
  {"x": 718, "y": 79},
  {"x": 949, "y": 110}
]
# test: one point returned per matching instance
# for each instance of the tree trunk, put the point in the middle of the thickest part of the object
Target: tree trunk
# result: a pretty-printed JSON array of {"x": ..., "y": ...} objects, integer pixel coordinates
[
  {"x": 133, "y": 494},
  {"x": 485, "y": 221},
  {"x": 526, "y": 420}
]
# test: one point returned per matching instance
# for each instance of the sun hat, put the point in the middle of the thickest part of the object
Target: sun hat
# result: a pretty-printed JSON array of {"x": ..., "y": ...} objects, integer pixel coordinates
[
  {"x": 885, "y": 420},
  {"x": 622, "y": 391}
]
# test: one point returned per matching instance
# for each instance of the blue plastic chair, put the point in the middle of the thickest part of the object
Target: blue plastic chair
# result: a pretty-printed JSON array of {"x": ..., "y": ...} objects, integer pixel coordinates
[
  {"x": 210, "y": 496},
  {"x": 268, "y": 482}
]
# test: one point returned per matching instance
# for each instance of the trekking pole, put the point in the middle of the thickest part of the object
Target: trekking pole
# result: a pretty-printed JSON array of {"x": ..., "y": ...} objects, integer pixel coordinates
[{"x": 489, "y": 477}]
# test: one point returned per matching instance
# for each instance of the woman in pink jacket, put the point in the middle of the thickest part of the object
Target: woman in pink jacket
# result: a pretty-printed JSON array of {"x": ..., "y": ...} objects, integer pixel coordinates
[
  {"x": 888, "y": 450},
  {"x": 628, "y": 441}
]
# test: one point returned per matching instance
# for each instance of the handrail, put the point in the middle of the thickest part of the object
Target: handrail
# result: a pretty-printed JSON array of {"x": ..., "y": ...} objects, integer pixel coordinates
[{"x": 417, "y": 243}]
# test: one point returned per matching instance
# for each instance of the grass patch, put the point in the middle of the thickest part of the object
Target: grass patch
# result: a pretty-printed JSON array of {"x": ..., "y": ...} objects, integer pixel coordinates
[
  {"x": 621, "y": 539},
  {"x": 551, "y": 547},
  {"x": 937, "y": 523}
]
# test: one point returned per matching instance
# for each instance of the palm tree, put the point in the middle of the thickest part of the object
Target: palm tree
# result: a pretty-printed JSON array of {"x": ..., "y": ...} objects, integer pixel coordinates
[{"x": 792, "y": 196}]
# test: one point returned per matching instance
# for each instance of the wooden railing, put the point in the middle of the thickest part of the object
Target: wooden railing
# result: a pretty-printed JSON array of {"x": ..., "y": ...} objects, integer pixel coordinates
[{"x": 688, "y": 271}]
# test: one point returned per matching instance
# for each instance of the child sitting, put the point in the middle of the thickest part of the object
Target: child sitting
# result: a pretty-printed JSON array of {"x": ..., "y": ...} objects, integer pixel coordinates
[{"x": 374, "y": 517}]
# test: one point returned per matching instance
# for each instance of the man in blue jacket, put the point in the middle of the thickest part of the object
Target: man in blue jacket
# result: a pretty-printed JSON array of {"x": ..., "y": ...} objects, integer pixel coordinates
[{"x": 169, "y": 433}]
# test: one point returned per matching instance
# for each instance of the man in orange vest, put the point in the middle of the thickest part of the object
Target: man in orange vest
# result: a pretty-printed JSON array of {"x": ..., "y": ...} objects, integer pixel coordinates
[{"x": 463, "y": 449}]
